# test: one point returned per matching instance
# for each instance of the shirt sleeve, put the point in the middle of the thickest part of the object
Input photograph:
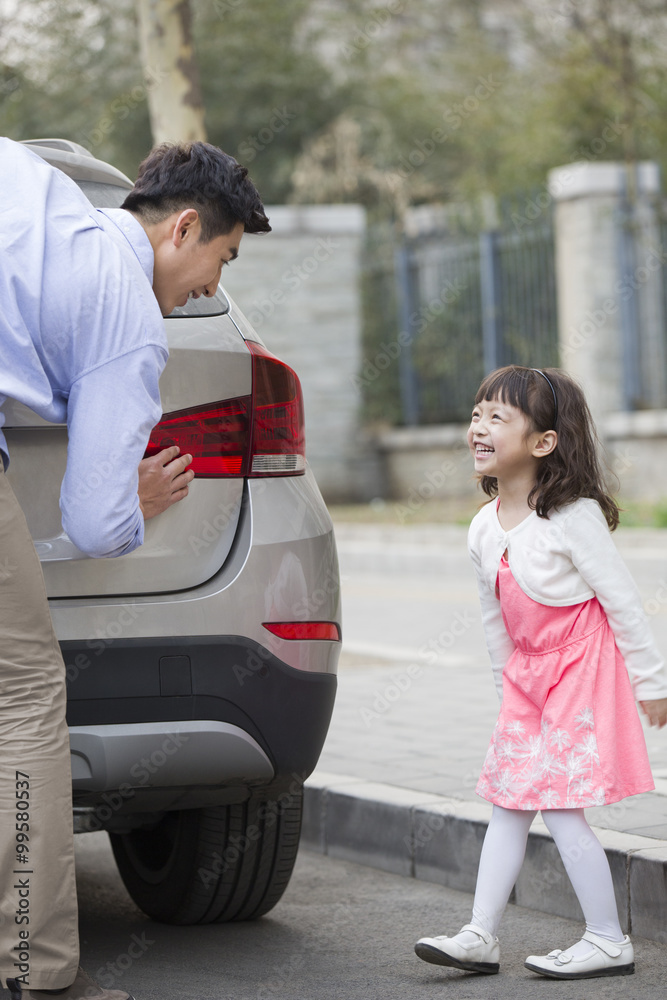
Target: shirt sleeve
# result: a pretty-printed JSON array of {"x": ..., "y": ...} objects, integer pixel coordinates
[
  {"x": 498, "y": 642},
  {"x": 593, "y": 552},
  {"x": 110, "y": 413}
]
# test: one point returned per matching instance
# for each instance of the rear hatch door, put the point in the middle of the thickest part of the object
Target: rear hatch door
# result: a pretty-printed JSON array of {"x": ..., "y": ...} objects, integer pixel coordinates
[{"x": 188, "y": 543}]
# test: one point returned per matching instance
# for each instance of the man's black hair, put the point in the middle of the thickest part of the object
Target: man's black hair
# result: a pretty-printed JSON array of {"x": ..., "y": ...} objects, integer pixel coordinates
[{"x": 175, "y": 176}]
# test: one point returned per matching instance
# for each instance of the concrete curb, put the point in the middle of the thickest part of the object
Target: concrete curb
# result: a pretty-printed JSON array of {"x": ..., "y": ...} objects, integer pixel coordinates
[{"x": 438, "y": 839}]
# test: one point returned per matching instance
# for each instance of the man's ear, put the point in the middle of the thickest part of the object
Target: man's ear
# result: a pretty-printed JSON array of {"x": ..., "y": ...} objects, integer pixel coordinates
[
  {"x": 186, "y": 227},
  {"x": 545, "y": 444}
]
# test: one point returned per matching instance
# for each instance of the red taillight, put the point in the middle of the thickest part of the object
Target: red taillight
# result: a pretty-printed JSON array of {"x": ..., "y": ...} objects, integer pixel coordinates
[
  {"x": 216, "y": 435},
  {"x": 278, "y": 438},
  {"x": 257, "y": 435},
  {"x": 304, "y": 630}
]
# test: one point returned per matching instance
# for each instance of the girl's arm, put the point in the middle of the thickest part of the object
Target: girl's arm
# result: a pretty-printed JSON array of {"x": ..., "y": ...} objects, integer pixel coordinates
[
  {"x": 498, "y": 642},
  {"x": 592, "y": 550}
]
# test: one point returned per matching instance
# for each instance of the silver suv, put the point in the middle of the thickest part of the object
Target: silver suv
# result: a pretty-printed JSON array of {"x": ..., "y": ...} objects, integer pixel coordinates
[{"x": 201, "y": 668}]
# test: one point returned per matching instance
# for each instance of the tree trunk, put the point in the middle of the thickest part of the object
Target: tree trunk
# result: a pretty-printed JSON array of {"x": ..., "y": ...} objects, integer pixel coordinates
[{"x": 170, "y": 68}]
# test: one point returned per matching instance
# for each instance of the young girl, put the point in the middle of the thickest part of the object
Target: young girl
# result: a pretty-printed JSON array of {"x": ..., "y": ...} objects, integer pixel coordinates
[{"x": 563, "y": 619}]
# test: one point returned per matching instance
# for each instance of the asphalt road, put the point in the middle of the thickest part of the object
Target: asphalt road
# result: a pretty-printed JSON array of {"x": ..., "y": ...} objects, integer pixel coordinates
[{"x": 341, "y": 932}]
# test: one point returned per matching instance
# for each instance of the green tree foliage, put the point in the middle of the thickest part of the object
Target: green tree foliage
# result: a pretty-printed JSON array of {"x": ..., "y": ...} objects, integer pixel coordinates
[
  {"x": 454, "y": 99},
  {"x": 79, "y": 76},
  {"x": 266, "y": 86},
  {"x": 387, "y": 102}
]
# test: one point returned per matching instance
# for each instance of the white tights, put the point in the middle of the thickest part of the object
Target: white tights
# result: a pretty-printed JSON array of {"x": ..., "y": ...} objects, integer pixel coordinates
[{"x": 581, "y": 852}]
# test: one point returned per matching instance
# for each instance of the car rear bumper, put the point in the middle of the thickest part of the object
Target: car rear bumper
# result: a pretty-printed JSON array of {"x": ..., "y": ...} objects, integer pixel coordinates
[
  {"x": 163, "y": 755},
  {"x": 250, "y": 720}
]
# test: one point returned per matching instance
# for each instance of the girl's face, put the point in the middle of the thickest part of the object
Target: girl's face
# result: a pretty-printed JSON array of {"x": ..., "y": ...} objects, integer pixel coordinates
[{"x": 501, "y": 440}]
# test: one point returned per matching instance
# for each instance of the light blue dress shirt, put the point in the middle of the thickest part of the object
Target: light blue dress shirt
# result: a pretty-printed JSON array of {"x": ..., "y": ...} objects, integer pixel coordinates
[{"x": 82, "y": 341}]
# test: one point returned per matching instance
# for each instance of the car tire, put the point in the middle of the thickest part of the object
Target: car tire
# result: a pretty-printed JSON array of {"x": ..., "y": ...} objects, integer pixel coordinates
[{"x": 222, "y": 863}]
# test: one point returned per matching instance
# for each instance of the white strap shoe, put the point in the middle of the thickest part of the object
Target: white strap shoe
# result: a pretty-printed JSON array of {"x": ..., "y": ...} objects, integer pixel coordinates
[
  {"x": 603, "y": 958},
  {"x": 473, "y": 949}
]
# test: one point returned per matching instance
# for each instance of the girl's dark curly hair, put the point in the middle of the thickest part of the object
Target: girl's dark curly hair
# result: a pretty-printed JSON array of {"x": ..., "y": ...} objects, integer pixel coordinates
[{"x": 573, "y": 468}]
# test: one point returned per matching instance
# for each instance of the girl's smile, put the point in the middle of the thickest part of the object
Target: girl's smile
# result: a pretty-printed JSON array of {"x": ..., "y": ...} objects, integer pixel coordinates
[{"x": 501, "y": 440}]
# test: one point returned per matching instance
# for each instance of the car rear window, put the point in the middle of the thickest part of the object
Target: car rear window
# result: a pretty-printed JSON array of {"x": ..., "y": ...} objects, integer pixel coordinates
[{"x": 112, "y": 196}]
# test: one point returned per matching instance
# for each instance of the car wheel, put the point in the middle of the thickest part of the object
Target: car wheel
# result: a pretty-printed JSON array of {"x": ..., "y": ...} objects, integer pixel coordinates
[{"x": 202, "y": 866}]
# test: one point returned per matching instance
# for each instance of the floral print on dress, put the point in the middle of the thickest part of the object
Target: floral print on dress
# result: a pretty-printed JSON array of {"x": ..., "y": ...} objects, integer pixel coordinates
[
  {"x": 568, "y": 734},
  {"x": 557, "y": 768}
]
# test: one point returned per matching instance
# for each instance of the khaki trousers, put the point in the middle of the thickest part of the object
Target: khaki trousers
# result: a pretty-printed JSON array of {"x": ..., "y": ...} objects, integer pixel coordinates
[{"x": 39, "y": 944}]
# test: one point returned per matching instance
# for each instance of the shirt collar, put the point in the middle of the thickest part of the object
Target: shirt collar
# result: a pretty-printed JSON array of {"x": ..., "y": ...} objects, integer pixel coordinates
[{"x": 136, "y": 236}]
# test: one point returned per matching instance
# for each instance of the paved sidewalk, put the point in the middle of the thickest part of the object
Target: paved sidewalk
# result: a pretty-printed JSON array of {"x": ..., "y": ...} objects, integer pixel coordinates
[{"x": 395, "y": 782}]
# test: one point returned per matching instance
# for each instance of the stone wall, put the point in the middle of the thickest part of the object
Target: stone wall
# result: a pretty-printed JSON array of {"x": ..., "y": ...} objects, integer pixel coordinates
[{"x": 423, "y": 463}]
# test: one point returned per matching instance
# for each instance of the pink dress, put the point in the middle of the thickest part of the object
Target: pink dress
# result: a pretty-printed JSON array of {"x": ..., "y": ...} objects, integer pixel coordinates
[{"x": 568, "y": 734}]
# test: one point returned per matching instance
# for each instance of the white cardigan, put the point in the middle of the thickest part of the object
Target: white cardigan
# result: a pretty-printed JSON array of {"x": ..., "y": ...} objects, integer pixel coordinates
[{"x": 564, "y": 560}]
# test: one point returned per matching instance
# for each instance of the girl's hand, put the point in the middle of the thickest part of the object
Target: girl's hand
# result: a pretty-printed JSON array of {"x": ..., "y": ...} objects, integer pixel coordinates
[{"x": 655, "y": 711}]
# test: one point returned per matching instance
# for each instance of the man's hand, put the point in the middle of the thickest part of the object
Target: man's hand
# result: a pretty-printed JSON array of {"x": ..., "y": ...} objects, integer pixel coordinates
[
  {"x": 163, "y": 480},
  {"x": 655, "y": 711}
]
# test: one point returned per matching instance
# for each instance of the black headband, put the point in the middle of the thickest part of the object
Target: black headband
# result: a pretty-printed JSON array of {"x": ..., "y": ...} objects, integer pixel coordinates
[{"x": 553, "y": 391}]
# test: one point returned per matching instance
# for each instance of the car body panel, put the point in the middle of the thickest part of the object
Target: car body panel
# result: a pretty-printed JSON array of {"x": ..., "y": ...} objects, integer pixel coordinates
[
  {"x": 168, "y": 642},
  {"x": 283, "y": 567}
]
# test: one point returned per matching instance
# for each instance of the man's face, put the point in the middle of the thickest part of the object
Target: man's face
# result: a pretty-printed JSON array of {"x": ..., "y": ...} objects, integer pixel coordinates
[{"x": 185, "y": 266}]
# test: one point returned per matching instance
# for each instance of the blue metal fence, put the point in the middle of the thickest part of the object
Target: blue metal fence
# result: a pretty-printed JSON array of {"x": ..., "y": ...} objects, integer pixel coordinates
[{"x": 468, "y": 304}]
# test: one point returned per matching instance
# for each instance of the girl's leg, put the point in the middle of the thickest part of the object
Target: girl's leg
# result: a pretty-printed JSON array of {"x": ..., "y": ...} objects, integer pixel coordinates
[
  {"x": 475, "y": 948},
  {"x": 588, "y": 869},
  {"x": 499, "y": 866}
]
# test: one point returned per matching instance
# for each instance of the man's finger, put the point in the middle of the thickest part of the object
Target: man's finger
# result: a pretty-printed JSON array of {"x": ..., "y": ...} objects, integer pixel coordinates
[
  {"x": 167, "y": 455},
  {"x": 178, "y": 482},
  {"x": 179, "y": 464}
]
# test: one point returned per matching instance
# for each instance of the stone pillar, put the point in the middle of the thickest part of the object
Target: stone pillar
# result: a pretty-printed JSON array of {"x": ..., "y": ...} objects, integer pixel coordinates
[
  {"x": 604, "y": 303},
  {"x": 299, "y": 288}
]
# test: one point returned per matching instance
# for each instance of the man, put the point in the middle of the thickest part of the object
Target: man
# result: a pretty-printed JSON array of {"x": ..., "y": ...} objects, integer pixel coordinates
[{"x": 82, "y": 296}]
